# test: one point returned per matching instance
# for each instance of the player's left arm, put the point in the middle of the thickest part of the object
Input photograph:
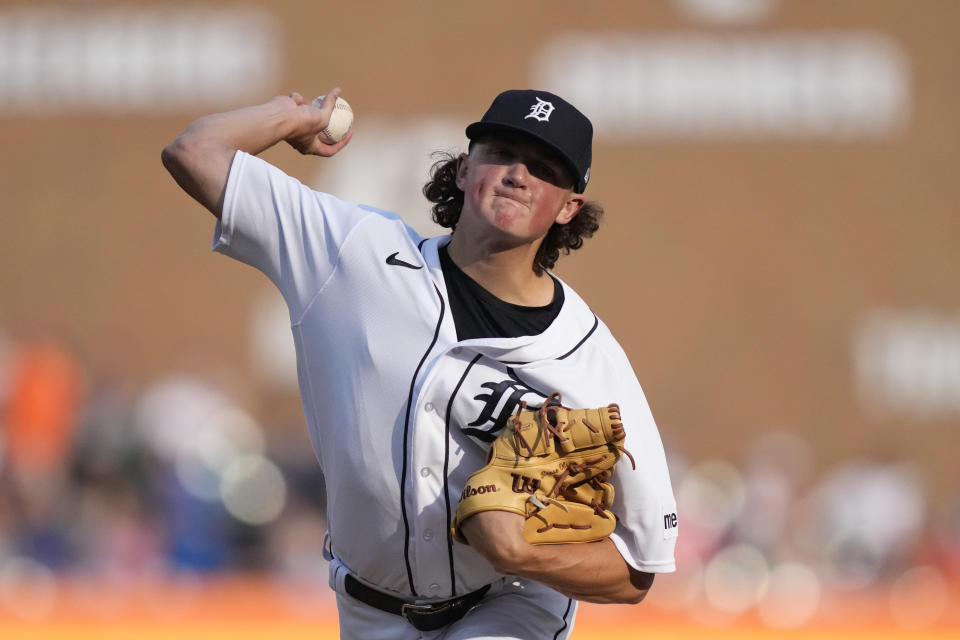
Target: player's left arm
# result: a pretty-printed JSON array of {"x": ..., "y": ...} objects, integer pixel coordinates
[
  {"x": 598, "y": 571},
  {"x": 591, "y": 572}
]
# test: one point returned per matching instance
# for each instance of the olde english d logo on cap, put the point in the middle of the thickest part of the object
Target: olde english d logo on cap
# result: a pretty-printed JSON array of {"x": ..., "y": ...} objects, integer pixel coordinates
[{"x": 540, "y": 110}]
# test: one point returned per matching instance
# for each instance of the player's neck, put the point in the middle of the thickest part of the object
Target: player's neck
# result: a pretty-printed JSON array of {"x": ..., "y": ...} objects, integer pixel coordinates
[{"x": 506, "y": 273}]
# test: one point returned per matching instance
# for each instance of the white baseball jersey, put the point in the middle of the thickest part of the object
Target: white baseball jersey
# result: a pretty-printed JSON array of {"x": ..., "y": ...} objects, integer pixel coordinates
[{"x": 401, "y": 413}]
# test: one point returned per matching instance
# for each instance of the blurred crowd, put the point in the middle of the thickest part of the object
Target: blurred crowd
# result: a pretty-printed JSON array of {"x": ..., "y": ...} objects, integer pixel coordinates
[
  {"x": 104, "y": 482},
  {"x": 100, "y": 480}
]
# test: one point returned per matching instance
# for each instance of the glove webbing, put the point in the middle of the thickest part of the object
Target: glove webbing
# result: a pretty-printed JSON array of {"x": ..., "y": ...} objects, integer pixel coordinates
[
  {"x": 557, "y": 430},
  {"x": 548, "y": 429}
]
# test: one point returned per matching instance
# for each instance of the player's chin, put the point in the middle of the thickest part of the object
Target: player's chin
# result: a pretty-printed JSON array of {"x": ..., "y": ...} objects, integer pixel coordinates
[
  {"x": 511, "y": 217},
  {"x": 505, "y": 221}
]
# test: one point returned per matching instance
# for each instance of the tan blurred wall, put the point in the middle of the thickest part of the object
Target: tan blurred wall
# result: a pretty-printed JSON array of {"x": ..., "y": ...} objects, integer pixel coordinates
[{"x": 733, "y": 271}]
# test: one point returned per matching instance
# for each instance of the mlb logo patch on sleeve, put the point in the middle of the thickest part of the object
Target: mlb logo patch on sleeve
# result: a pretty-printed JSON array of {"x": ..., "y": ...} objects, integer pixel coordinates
[{"x": 669, "y": 525}]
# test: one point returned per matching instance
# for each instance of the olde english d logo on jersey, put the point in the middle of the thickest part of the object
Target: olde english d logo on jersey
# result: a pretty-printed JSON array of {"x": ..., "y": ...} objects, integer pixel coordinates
[
  {"x": 541, "y": 110},
  {"x": 497, "y": 404}
]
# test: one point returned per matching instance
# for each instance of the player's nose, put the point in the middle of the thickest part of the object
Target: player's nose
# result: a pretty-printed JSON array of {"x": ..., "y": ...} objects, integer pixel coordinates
[{"x": 516, "y": 175}]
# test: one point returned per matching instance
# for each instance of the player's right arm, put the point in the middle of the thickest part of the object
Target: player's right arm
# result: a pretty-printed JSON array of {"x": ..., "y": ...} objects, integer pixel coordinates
[{"x": 199, "y": 158}]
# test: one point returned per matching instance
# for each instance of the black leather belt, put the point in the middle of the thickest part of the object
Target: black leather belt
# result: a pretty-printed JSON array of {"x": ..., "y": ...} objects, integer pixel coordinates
[{"x": 425, "y": 617}]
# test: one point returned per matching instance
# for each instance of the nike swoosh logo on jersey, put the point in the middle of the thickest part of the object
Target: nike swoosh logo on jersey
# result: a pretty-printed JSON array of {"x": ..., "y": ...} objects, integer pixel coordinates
[{"x": 393, "y": 260}]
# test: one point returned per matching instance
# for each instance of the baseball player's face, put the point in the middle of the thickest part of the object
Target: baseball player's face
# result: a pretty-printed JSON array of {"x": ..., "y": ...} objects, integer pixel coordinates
[{"x": 515, "y": 186}]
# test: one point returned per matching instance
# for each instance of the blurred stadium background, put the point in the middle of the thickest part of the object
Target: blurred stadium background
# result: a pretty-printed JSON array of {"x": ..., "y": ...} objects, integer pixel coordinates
[{"x": 779, "y": 260}]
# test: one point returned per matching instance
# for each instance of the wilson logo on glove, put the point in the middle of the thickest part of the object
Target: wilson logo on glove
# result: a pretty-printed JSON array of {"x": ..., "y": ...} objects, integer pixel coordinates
[
  {"x": 523, "y": 484},
  {"x": 473, "y": 491}
]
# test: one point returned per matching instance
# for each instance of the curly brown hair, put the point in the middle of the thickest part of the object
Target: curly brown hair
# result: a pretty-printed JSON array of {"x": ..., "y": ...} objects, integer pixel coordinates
[{"x": 447, "y": 199}]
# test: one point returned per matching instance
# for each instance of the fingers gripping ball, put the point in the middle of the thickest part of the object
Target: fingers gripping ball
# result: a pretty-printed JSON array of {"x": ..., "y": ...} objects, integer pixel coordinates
[
  {"x": 341, "y": 121},
  {"x": 552, "y": 466}
]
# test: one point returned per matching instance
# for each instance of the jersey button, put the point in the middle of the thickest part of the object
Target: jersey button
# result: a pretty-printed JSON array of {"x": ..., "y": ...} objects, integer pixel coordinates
[
  {"x": 434, "y": 587},
  {"x": 425, "y": 472},
  {"x": 428, "y": 535},
  {"x": 428, "y": 406}
]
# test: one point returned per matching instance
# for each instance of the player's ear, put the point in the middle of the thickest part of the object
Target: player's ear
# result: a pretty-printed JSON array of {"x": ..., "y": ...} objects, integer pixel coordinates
[
  {"x": 461, "y": 171},
  {"x": 570, "y": 209}
]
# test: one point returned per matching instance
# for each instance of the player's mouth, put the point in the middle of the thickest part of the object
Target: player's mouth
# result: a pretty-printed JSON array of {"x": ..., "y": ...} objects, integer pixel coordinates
[{"x": 508, "y": 196}]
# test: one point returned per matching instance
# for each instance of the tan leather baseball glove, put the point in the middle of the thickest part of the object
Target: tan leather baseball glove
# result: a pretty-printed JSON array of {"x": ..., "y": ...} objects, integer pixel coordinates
[{"x": 551, "y": 465}]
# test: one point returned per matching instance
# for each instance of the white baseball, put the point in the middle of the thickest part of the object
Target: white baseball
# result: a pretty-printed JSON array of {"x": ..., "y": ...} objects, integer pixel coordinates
[{"x": 341, "y": 120}]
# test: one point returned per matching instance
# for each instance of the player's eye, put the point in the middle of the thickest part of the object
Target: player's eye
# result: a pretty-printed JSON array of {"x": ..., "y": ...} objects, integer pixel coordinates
[{"x": 544, "y": 171}]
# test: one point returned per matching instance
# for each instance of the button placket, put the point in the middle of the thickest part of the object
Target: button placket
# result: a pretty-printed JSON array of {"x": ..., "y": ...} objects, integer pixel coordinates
[{"x": 429, "y": 450}]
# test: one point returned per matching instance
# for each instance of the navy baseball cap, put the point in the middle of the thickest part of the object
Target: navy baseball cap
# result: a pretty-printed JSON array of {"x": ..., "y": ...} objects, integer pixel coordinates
[{"x": 546, "y": 117}]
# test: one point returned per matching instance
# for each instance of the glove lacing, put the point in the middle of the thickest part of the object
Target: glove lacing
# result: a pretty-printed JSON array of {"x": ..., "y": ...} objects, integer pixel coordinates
[{"x": 558, "y": 430}]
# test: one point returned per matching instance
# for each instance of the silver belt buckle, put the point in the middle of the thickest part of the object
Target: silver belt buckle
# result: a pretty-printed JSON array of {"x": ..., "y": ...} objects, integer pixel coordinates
[{"x": 422, "y": 609}]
